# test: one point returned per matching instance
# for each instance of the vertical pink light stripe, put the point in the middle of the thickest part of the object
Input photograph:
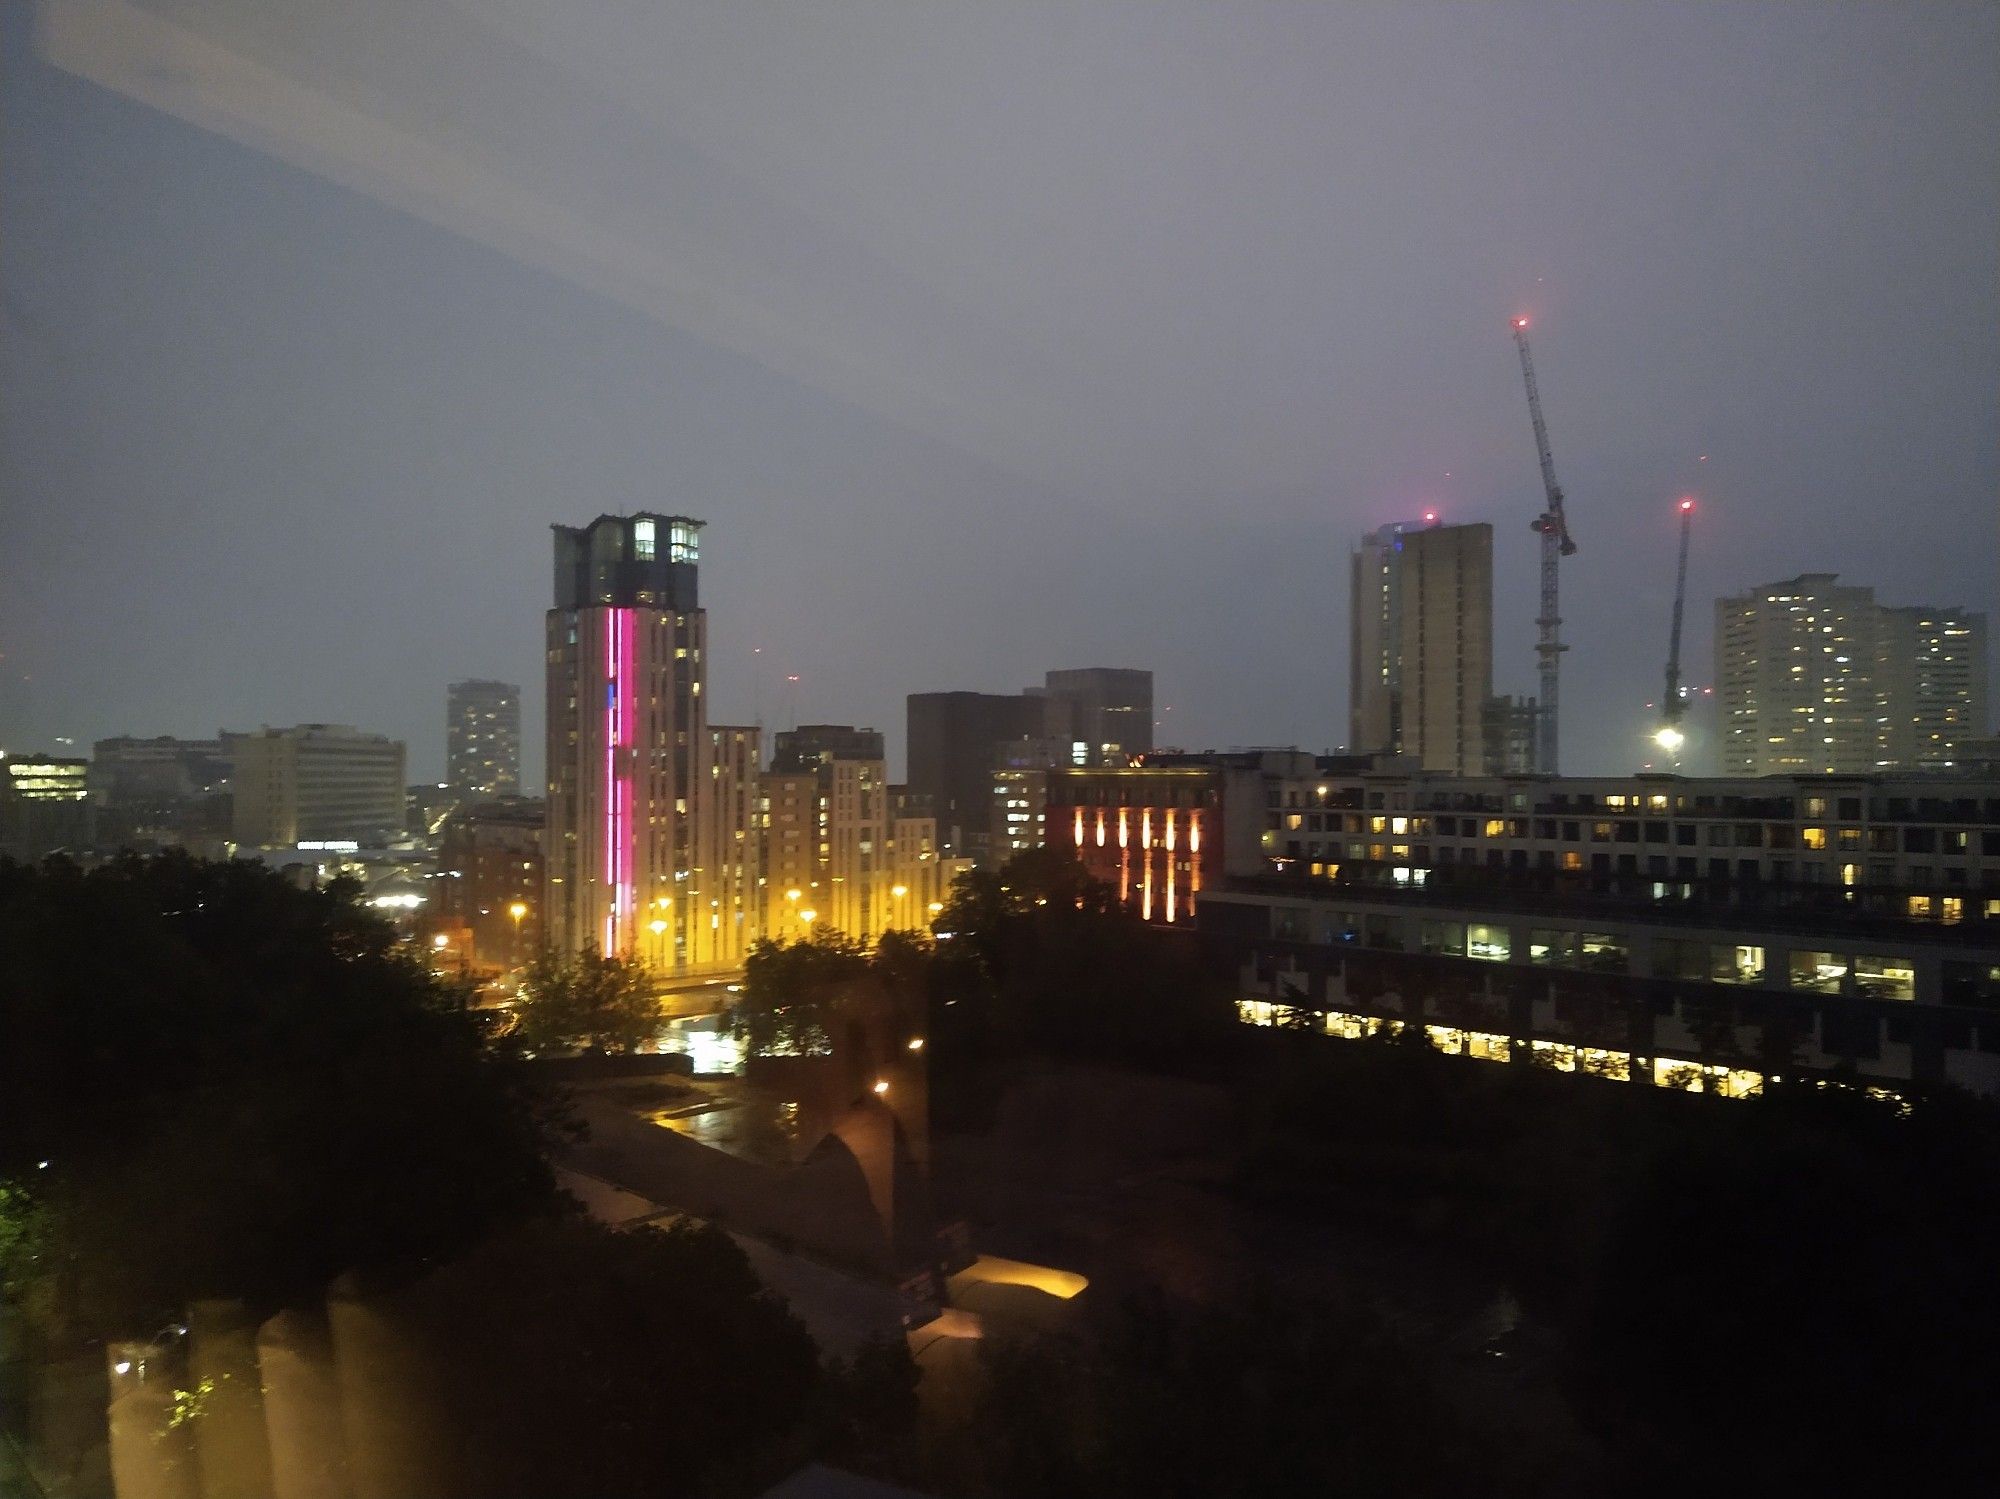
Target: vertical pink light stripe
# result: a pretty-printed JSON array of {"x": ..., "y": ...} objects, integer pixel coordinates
[
  {"x": 611, "y": 780},
  {"x": 628, "y": 732}
]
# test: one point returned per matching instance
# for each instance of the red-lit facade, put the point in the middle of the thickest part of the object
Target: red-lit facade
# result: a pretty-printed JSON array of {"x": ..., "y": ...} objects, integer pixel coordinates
[{"x": 1152, "y": 833}]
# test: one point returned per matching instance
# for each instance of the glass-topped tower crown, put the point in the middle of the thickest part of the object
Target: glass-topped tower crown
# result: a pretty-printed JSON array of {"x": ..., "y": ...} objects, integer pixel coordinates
[{"x": 642, "y": 561}]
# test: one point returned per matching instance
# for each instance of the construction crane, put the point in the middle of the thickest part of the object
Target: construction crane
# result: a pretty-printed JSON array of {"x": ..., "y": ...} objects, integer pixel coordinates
[
  {"x": 1553, "y": 528},
  {"x": 1674, "y": 704}
]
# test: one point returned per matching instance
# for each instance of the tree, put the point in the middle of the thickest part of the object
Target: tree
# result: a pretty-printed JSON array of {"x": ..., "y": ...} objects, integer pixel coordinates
[
  {"x": 214, "y": 1083},
  {"x": 1040, "y": 957},
  {"x": 1255, "y": 1394},
  {"x": 793, "y": 991},
  {"x": 589, "y": 1002}
]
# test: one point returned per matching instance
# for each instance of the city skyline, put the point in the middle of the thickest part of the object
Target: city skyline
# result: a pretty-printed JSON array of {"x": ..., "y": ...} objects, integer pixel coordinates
[{"x": 1762, "y": 299}]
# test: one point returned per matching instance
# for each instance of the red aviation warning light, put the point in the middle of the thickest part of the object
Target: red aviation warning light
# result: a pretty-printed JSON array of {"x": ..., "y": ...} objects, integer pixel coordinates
[{"x": 1686, "y": 506}]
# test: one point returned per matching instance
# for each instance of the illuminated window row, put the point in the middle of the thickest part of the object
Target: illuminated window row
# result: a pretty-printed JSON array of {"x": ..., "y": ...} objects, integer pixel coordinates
[{"x": 1559, "y": 1056}]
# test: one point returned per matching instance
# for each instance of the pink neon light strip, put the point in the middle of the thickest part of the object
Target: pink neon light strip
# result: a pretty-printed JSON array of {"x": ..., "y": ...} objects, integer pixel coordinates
[
  {"x": 628, "y": 677},
  {"x": 621, "y": 716},
  {"x": 611, "y": 779}
]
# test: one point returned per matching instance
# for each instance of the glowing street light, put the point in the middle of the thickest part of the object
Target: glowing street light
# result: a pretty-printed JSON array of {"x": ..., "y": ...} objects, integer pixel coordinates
[
  {"x": 899, "y": 891},
  {"x": 656, "y": 926},
  {"x": 808, "y": 917},
  {"x": 1670, "y": 739},
  {"x": 881, "y": 1086},
  {"x": 440, "y": 942},
  {"x": 517, "y": 911}
]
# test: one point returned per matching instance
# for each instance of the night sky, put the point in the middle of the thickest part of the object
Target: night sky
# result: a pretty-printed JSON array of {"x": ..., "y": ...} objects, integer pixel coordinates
[{"x": 986, "y": 339}]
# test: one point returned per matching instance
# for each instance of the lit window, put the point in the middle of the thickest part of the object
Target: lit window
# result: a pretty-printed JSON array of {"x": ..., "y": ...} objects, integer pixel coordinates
[
  {"x": 1549, "y": 947},
  {"x": 1819, "y": 972},
  {"x": 642, "y": 540},
  {"x": 1885, "y": 978},
  {"x": 1735, "y": 964}
]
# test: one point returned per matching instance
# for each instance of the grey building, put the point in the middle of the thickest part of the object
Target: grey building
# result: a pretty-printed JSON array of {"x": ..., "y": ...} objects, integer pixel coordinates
[
  {"x": 812, "y": 745},
  {"x": 1103, "y": 715},
  {"x": 317, "y": 782},
  {"x": 1420, "y": 640},
  {"x": 1815, "y": 676},
  {"x": 952, "y": 739},
  {"x": 483, "y": 738}
]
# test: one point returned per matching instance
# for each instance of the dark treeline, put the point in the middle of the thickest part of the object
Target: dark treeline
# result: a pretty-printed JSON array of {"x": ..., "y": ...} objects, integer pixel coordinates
[
  {"x": 1787, "y": 1290},
  {"x": 214, "y": 1084}
]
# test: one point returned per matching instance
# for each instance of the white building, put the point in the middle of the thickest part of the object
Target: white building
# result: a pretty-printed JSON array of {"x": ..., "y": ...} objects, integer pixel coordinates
[{"x": 317, "y": 782}]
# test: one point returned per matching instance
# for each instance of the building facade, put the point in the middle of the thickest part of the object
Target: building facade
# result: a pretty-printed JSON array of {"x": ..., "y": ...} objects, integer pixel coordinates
[
  {"x": 490, "y": 878},
  {"x": 952, "y": 747},
  {"x": 631, "y": 866},
  {"x": 1930, "y": 687},
  {"x": 1020, "y": 810},
  {"x": 1420, "y": 668},
  {"x": 317, "y": 783},
  {"x": 1705, "y": 934},
  {"x": 163, "y": 792},
  {"x": 1816, "y": 676},
  {"x": 1167, "y": 831},
  {"x": 45, "y": 806},
  {"x": 842, "y": 848},
  {"x": 723, "y": 889},
  {"x": 810, "y": 745},
  {"x": 1099, "y": 715},
  {"x": 483, "y": 738},
  {"x": 161, "y": 771}
]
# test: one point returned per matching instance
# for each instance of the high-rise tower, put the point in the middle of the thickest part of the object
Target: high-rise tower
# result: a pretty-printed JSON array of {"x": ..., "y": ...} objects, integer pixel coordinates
[
  {"x": 483, "y": 738},
  {"x": 1420, "y": 668},
  {"x": 628, "y": 749}
]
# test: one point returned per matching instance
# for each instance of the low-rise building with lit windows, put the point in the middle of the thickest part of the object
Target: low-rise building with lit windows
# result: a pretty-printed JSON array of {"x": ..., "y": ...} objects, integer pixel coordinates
[
  {"x": 1702, "y": 934},
  {"x": 1020, "y": 809},
  {"x": 841, "y": 847},
  {"x": 1163, "y": 832},
  {"x": 45, "y": 806}
]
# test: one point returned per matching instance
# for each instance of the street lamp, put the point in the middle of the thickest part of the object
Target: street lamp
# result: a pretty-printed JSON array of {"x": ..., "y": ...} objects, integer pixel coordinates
[
  {"x": 808, "y": 917},
  {"x": 517, "y": 910}
]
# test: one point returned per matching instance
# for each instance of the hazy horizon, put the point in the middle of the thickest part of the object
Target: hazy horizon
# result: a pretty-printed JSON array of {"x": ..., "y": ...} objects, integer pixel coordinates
[{"x": 986, "y": 341}]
